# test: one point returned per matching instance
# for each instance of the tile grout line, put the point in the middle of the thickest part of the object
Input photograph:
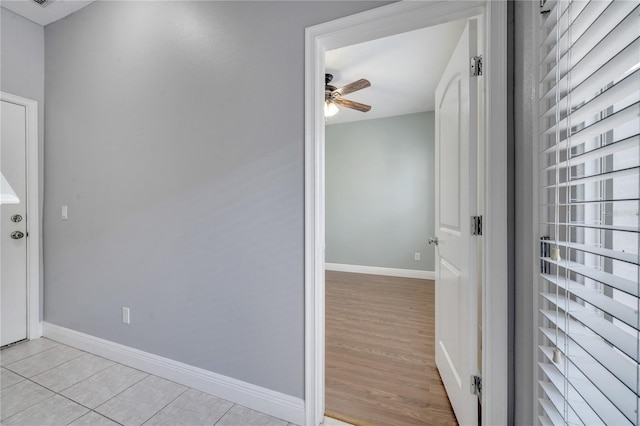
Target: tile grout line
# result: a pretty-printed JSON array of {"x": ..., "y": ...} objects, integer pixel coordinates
[
  {"x": 86, "y": 378},
  {"x": 26, "y": 408},
  {"x": 125, "y": 389},
  {"x": 101, "y": 357},
  {"x": 76, "y": 402},
  {"x": 81, "y": 415},
  {"x": 225, "y": 413},
  {"x": 52, "y": 368},
  {"x": 26, "y": 357},
  {"x": 93, "y": 409},
  {"x": 54, "y": 394},
  {"x": 167, "y": 404},
  {"x": 82, "y": 353},
  {"x": 106, "y": 417},
  {"x": 82, "y": 405},
  {"x": 20, "y": 375},
  {"x": 29, "y": 379},
  {"x": 62, "y": 390},
  {"x": 67, "y": 398}
]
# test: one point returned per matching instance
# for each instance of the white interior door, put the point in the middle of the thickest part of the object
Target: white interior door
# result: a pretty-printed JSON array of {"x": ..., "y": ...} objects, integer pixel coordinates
[
  {"x": 456, "y": 278},
  {"x": 13, "y": 224}
]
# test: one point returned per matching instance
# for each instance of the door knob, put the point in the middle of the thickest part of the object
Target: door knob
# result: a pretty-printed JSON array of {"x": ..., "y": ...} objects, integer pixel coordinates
[
  {"x": 433, "y": 240},
  {"x": 16, "y": 218},
  {"x": 16, "y": 235}
]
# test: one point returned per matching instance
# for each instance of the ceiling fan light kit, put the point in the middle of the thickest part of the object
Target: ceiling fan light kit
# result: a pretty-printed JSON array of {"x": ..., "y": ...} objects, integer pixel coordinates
[
  {"x": 330, "y": 109},
  {"x": 333, "y": 96}
]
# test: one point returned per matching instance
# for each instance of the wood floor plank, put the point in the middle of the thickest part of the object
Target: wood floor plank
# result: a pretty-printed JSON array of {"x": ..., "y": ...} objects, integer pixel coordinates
[{"x": 380, "y": 352}]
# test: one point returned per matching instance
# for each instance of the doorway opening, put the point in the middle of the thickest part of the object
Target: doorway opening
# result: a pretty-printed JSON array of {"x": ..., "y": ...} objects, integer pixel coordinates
[
  {"x": 378, "y": 23},
  {"x": 380, "y": 213}
]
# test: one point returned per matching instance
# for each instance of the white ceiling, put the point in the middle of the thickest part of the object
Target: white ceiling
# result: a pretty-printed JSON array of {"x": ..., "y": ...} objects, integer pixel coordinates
[
  {"x": 51, "y": 12},
  {"x": 403, "y": 69}
]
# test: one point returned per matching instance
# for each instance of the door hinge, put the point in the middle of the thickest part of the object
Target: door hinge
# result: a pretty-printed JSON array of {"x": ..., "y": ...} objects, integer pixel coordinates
[
  {"x": 476, "y": 225},
  {"x": 476, "y": 385},
  {"x": 476, "y": 66}
]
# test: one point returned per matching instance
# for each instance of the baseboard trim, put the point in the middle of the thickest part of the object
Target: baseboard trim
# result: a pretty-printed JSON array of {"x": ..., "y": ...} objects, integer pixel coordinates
[
  {"x": 377, "y": 270},
  {"x": 274, "y": 403}
]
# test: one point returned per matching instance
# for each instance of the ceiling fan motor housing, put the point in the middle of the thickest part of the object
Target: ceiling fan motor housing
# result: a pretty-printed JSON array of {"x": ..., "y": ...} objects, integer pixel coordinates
[{"x": 328, "y": 88}]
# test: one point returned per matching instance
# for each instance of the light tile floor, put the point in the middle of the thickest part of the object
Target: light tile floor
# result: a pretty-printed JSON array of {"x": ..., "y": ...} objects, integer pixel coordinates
[{"x": 43, "y": 382}]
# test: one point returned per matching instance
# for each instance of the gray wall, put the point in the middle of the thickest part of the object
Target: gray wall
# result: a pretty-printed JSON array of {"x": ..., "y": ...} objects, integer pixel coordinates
[
  {"x": 524, "y": 98},
  {"x": 380, "y": 192},
  {"x": 175, "y": 136},
  {"x": 22, "y": 74}
]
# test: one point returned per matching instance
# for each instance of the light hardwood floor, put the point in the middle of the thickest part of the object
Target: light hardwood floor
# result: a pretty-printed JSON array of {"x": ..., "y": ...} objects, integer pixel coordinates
[{"x": 380, "y": 352}]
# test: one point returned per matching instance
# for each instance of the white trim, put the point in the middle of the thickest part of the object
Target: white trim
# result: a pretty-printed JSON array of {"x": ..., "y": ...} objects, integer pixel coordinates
[
  {"x": 34, "y": 326},
  {"x": 379, "y": 270},
  {"x": 392, "y": 19},
  {"x": 274, "y": 403},
  {"x": 495, "y": 309}
]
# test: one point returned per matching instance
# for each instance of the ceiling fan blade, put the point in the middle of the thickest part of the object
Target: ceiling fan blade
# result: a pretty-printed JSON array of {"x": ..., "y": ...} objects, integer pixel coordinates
[
  {"x": 353, "y": 105},
  {"x": 352, "y": 87}
]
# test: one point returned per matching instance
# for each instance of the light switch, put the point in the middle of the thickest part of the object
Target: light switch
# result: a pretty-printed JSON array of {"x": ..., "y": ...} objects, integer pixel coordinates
[{"x": 63, "y": 213}]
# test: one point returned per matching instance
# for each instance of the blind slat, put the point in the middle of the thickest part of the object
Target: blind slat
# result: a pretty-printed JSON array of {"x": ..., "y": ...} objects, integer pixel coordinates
[
  {"x": 616, "y": 337},
  {"x": 600, "y": 152},
  {"x": 595, "y": 178},
  {"x": 616, "y": 309},
  {"x": 601, "y": 77},
  {"x": 557, "y": 399},
  {"x": 591, "y": 395},
  {"x": 596, "y": 226},
  {"x": 614, "y": 371},
  {"x": 576, "y": 202},
  {"x": 599, "y": 128},
  {"x": 614, "y": 28},
  {"x": 627, "y": 88},
  {"x": 583, "y": 13},
  {"x": 611, "y": 280},
  {"x": 611, "y": 399},
  {"x": 552, "y": 6},
  {"x": 544, "y": 420},
  {"x": 572, "y": 396},
  {"x": 608, "y": 253},
  {"x": 552, "y": 414},
  {"x": 627, "y": 115}
]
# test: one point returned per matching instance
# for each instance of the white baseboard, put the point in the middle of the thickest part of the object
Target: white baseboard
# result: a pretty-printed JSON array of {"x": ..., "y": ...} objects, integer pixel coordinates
[
  {"x": 377, "y": 270},
  {"x": 274, "y": 403}
]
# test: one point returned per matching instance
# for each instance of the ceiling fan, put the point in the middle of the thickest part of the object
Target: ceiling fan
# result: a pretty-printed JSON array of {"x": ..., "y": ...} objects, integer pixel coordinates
[{"x": 333, "y": 96}]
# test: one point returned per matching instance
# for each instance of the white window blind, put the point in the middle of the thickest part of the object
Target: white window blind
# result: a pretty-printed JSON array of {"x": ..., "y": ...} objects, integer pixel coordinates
[{"x": 588, "y": 368}]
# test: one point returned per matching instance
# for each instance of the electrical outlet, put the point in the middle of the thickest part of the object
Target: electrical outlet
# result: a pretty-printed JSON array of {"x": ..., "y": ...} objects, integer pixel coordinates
[
  {"x": 416, "y": 256},
  {"x": 63, "y": 213},
  {"x": 125, "y": 315}
]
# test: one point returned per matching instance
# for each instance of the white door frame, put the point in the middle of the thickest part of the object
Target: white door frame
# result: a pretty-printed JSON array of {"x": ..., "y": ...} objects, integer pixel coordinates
[
  {"x": 34, "y": 325},
  {"x": 381, "y": 22}
]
